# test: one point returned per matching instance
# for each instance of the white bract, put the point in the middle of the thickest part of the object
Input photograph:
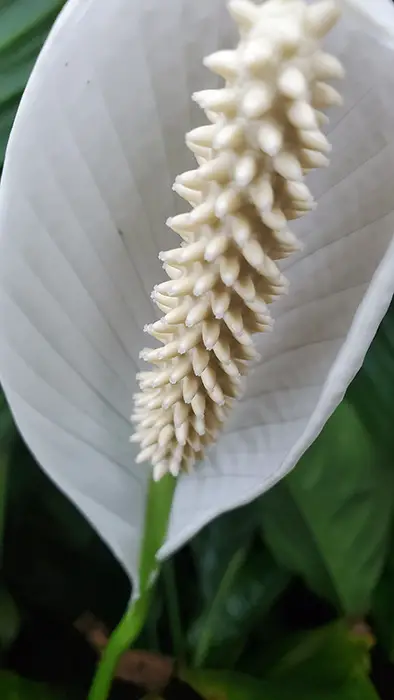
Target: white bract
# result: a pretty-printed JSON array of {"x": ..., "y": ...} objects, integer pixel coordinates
[{"x": 85, "y": 193}]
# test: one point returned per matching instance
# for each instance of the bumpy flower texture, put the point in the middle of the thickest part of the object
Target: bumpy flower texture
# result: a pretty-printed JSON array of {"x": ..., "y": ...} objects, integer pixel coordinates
[{"x": 264, "y": 136}]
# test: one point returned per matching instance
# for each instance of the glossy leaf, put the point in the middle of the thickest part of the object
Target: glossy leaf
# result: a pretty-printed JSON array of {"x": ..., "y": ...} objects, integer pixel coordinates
[
  {"x": 7, "y": 425},
  {"x": 383, "y": 605},
  {"x": 82, "y": 221},
  {"x": 214, "y": 547},
  {"x": 7, "y": 437},
  {"x": 323, "y": 662},
  {"x": 330, "y": 663},
  {"x": 219, "y": 551},
  {"x": 173, "y": 609},
  {"x": 329, "y": 521},
  {"x": 217, "y": 685},
  {"x": 249, "y": 587},
  {"x": 3, "y": 489},
  {"x": 371, "y": 392},
  {"x": 320, "y": 657},
  {"x": 24, "y": 26},
  {"x": 204, "y": 630}
]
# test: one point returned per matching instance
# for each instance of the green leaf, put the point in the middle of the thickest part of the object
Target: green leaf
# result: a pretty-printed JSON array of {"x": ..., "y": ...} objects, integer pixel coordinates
[
  {"x": 226, "y": 685},
  {"x": 330, "y": 663},
  {"x": 203, "y": 631},
  {"x": 24, "y": 26},
  {"x": 44, "y": 533},
  {"x": 7, "y": 436},
  {"x": 234, "y": 581},
  {"x": 172, "y": 604},
  {"x": 371, "y": 392},
  {"x": 324, "y": 662},
  {"x": 250, "y": 585},
  {"x": 321, "y": 657},
  {"x": 10, "y": 619},
  {"x": 329, "y": 520},
  {"x": 7, "y": 425},
  {"x": 218, "y": 542},
  {"x": 383, "y": 605},
  {"x": 3, "y": 491},
  {"x": 13, "y": 687}
]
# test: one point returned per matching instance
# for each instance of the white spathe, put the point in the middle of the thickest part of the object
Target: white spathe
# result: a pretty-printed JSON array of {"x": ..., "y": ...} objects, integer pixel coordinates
[{"x": 85, "y": 193}]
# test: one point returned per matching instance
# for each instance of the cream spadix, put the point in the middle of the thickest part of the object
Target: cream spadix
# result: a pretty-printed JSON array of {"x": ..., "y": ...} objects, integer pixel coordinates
[{"x": 265, "y": 134}]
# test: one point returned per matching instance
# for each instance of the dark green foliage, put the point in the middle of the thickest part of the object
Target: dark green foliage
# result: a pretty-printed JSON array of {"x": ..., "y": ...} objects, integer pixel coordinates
[
  {"x": 329, "y": 520},
  {"x": 239, "y": 582},
  {"x": 326, "y": 664},
  {"x": 16, "y": 688},
  {"x": 10, "y": 618},
  {"x": 383, "y": 605},
  {"x": 53, "y": 560}
]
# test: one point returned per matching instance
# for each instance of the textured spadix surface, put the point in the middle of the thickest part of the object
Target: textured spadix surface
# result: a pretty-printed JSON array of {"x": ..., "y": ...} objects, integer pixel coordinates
[
  {"x": 86, "y": 190},
  {"x": 264, "y": 137}
]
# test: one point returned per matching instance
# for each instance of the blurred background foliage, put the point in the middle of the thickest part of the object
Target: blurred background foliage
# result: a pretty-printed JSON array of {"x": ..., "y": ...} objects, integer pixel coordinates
[{"x": 295, "y": 590}]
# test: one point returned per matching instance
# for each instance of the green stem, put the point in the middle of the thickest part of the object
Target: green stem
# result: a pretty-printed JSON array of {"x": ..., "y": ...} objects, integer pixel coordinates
[
  {"x": 157, "y": 514},
  {"x": 173, "y": 609},
  {"x": 123, "y": 636}
]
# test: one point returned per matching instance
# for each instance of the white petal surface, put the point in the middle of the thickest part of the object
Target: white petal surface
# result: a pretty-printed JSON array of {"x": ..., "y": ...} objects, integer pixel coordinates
[
  {"x": 376, "y": 17},
  {"x": 85, "y": 193}
]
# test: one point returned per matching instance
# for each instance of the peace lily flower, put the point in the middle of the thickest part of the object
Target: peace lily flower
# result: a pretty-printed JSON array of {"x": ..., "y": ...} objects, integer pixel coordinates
[
  {"x": 85, "y": 193},
  {"x": 264, "y": 137}
]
